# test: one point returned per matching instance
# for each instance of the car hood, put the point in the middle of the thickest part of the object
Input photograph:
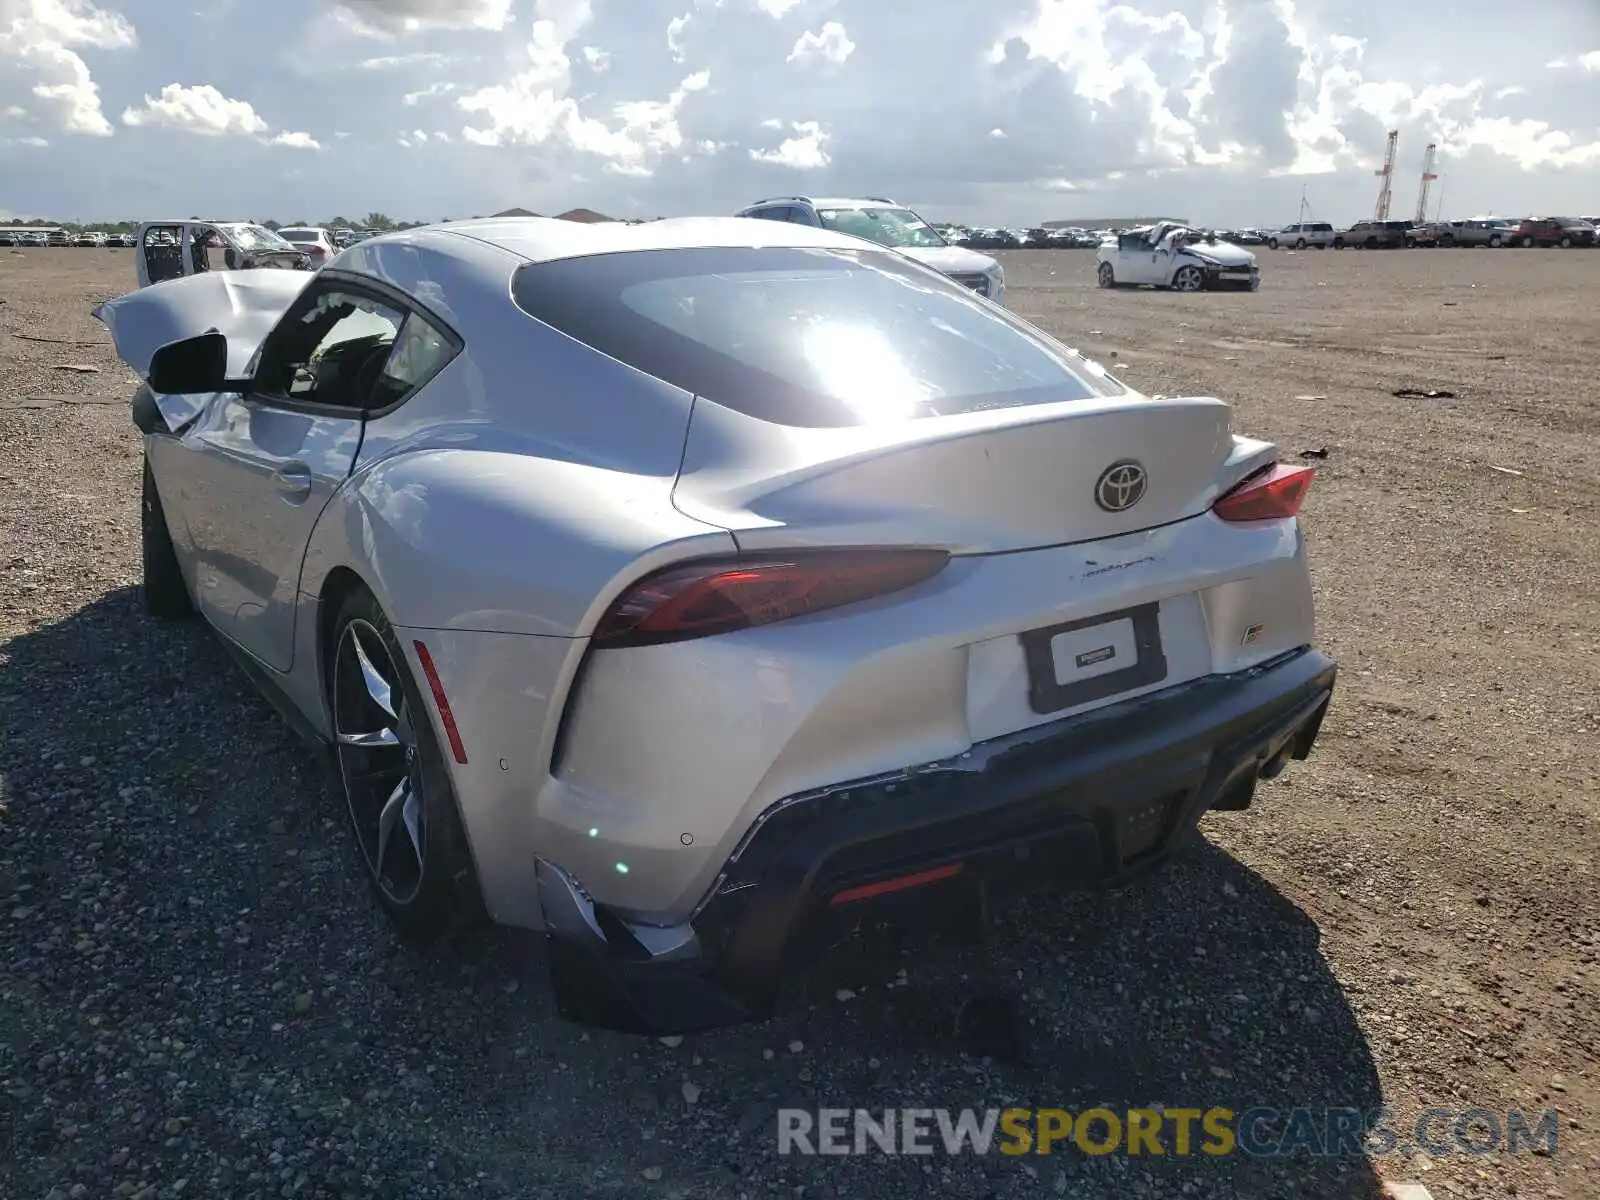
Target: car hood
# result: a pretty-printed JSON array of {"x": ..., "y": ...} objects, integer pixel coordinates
[
  {"x": 243, "y": 306},
  {"x": 1224, "y": 254},
  {"x": 950, "y": 259}
]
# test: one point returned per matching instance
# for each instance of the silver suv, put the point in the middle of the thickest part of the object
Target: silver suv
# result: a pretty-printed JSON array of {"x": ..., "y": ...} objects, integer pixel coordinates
[
  {"x": 879, "y": 219},
  {"x": 1303, "y": 234}
]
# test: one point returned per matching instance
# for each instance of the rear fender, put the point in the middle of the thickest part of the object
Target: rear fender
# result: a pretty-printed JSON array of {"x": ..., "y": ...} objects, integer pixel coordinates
[{"x": 500, "y": 542}]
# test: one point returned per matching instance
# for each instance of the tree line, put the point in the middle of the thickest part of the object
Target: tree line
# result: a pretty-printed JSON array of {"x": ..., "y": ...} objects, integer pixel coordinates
[{"x": 381, "y": 222}]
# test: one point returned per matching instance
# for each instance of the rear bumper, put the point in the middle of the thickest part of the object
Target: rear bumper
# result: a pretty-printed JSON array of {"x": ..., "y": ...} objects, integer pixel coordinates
[{"x": 1092, "y": 799}]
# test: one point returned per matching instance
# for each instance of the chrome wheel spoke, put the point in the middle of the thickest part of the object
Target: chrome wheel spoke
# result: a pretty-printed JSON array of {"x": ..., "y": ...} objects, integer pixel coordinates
[
  {"x": 377, "y": 686},
  {"x": 387, "y": 820}
]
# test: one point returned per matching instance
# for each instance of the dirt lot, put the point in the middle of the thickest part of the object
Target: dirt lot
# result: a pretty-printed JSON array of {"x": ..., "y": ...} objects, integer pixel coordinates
[{"x": 197, "y": 998}]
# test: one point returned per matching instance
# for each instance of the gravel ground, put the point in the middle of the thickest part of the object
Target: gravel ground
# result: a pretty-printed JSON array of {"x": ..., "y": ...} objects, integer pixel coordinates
[{"x": 197, "y": 997}]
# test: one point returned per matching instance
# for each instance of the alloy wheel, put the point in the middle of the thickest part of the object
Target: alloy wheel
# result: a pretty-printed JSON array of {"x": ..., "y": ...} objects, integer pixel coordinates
[
  {"x": 379, "y": 764},
  {"x": 1187, "y": 279}
]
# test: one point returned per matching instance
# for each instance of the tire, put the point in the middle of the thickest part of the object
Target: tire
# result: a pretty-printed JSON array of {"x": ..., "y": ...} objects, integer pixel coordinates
[
  {"x": 1448, "y": 240},
  {"x": 1494, "y": 242},
  {"x": 1272, "y": 243},
  {"x": 1527, "y": 243},
  {"x": 1300, "y": 244},
  {"x": 1372, "y": 243},
  {"x": 166, "y": 595},
  {"x": 430, "y": 891},
  {"x": 1338, "y": 243},
  {"x": 1188, "y": 279},
  {"x": 1566, "y": 243},
  {"x": 1106, "y": 276}
]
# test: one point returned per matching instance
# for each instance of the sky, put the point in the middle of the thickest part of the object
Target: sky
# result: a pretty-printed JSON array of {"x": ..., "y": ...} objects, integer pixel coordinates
[{"x": 1224, "y": 112}]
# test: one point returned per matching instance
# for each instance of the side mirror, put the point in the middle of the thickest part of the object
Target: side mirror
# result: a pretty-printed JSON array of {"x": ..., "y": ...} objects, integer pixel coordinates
[{"x": 190, "y": 367}]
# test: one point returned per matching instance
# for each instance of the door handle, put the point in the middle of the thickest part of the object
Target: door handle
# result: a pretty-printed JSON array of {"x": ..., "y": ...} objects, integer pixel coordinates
[{"x": 294, "y": 477}]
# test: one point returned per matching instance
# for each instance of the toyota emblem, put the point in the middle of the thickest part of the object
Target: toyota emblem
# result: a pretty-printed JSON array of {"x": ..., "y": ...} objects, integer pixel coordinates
[{"x": 1121, "y": 486}]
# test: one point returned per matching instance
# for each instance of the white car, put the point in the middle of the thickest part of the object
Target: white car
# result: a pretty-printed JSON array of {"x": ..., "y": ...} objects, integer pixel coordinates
[
  {"x": 314, "y": 240},
  {"x": 879, "y": 219},
  {"x": 1174, "y": 256},
  {"x": 669, "y": 587},
  {"x": 1304, "y": 235}
]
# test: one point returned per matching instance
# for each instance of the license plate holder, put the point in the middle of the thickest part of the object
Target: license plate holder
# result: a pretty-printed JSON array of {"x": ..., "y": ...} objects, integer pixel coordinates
[{"x": 1086, "y": 650}]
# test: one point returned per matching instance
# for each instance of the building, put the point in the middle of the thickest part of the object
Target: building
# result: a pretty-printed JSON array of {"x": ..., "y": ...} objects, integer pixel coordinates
[
  {"x": 516, "y": 212},
  {"x": 585, "y": 215},
  {"x": 1112, "y": 223}
]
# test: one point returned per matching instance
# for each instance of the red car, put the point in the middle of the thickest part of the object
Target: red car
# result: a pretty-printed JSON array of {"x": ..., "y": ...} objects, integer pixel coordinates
[{"x": 1553, "y": 231}]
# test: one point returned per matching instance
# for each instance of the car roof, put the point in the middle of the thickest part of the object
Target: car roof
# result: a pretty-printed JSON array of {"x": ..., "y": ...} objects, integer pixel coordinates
[
  {"x": 302, "y": 229},
  {"x": 545, "y": 239}
]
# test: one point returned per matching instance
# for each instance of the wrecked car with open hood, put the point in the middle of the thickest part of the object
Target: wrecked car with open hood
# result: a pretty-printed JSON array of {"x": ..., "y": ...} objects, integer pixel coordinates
[{"x": 1170, "y": 255}]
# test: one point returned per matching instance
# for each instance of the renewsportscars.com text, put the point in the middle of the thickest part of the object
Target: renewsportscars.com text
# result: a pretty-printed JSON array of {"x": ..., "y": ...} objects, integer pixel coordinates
[{"x": 1262, "y": 1132}]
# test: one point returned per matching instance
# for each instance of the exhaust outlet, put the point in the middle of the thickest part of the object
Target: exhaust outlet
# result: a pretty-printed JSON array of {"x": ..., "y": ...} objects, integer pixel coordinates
[{"x": 1274, "y": 766}]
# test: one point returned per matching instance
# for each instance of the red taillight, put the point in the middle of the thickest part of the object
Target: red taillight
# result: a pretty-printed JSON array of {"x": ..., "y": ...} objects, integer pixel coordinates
[
  {"x": 1268, "y": 495},
  {"x": 719, "y": 596}
]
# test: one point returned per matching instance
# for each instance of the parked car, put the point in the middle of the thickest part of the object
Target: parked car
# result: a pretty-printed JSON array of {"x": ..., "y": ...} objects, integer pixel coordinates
[
  {"x": 1174, "y": 256},
  {"x": 1565, "y": 232},
  {"x": 174, "y": 249},
  {"x": 1479, "y": 231},
  {"x": 1102, "y": 633},
  {"x": 1373, "y": 235},
  {"x": 881, "y": 220},
  {"x": 1303, "y": 235},
  {"x": 1425, "y": 236},
  {"x": 314, "y": 240}
]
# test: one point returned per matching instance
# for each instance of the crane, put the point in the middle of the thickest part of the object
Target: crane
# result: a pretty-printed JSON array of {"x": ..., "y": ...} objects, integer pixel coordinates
[
  {"x": 1430, "y": 159},
  {"x": 1386, "y": 192}
]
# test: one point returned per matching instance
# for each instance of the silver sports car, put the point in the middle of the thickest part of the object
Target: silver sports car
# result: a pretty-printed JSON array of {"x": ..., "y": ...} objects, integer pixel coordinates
[{"x": 684, "y": 589}]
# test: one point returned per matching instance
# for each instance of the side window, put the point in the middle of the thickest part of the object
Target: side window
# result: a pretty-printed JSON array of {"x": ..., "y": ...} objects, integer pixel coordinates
[
  {"x": 419, "y": 353},
  {"x": 330, "y": 349}
]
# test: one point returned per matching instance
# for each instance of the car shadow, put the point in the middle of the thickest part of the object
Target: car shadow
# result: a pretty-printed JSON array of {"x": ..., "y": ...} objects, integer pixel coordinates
[{"x": 181, "y": 865}]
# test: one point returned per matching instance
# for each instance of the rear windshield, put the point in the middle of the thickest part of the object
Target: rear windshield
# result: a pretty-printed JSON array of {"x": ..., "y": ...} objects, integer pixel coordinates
[
  {"x": 297, "y": 235},
  {"x": 805, "y": 336}
]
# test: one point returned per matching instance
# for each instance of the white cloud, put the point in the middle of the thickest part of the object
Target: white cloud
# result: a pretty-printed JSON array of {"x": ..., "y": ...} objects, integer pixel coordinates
[
  {"x": 534, "y": 108},
  {"x": 1533, "y": 145},
  {"x": 802, "y": 152},
  {"x": 1581, "y": 62},
  {"x": 597, "y": 58},
  {"x": 421, "y": 137},
  {"x": 675, "y": 28},
  {"x": 395, "y": 62},
  {"x": 412, "y": 99},
  {"x": 39, "y": 40},
  {"x": 199, "y": 109},
  {"x": 392, "y": 18},
  {"x": 295, "y": 141},
  {"x": 777, "y": 8},
  {"x": 830, "y": 44}
]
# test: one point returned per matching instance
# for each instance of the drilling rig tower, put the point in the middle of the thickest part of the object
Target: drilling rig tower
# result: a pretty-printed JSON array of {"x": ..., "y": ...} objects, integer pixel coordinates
[
  {"x": 1386, "y": 172},
  {"x": 1430, "y": 159}
]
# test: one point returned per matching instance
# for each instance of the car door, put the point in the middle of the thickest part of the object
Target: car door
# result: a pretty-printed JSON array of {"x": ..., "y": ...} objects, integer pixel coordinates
[
  {"x": 262, "y": 465},
  {"x": 1135, "y": 259},
  {"x": 160, "y": 254}
]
